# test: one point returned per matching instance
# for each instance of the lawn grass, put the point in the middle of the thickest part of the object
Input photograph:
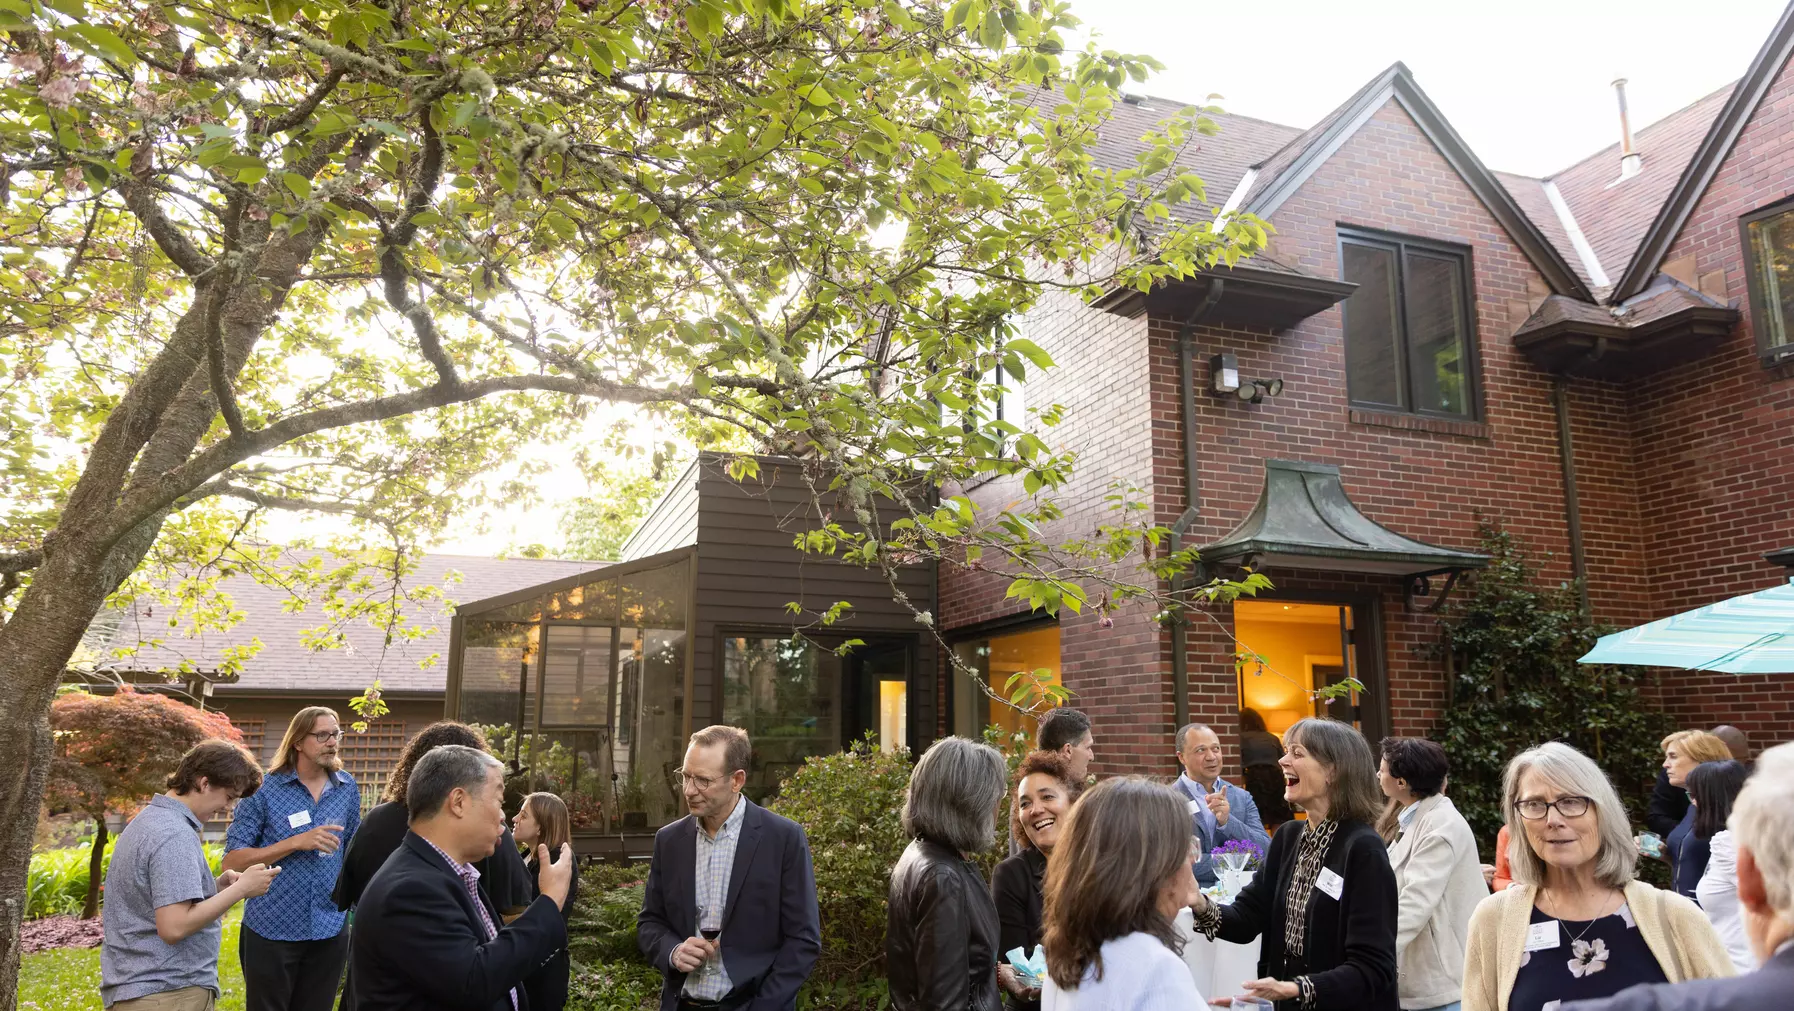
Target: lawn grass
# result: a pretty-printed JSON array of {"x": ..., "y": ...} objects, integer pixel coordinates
[{"x": 68, "y": 979}]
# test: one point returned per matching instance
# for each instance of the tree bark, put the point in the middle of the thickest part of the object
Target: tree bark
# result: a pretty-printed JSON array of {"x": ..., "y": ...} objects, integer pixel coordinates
[
  {"x": 24, "y": 769},
  {"x": 96, "y": 859}
]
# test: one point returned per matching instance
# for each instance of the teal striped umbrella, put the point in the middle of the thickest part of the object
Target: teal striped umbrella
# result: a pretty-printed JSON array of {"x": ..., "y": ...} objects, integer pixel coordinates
[{"x": 1752, "y": 634}]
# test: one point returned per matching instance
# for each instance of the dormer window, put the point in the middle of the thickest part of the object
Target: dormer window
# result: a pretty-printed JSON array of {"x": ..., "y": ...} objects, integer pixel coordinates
[{"x": 1408, "y": 345}]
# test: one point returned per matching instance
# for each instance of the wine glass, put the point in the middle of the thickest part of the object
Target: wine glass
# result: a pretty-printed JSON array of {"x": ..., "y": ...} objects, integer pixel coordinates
[{"x": 710, "y": 926}]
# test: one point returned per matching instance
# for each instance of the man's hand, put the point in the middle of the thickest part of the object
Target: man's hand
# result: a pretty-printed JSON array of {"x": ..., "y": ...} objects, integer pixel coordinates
[
  {"x": 555, "y": 878},
  {"x": 692, "y": 953},
  {"x": 253, "y": 880},
  {"x": 1217, "y": 805},
  {"x": 323, "y": 840}
]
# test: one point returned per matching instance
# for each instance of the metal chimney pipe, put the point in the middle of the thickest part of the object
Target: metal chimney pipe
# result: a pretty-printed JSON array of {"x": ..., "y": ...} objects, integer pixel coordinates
[{"x": 1629, "y": 160}]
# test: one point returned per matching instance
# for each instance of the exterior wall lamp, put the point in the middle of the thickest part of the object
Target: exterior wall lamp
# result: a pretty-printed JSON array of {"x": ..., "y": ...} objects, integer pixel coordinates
[{"x": 1224, "y": 378}]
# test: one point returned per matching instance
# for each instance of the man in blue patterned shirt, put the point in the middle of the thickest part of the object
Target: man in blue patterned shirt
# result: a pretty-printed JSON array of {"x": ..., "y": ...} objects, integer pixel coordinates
[{"x": 293, "y": 942}]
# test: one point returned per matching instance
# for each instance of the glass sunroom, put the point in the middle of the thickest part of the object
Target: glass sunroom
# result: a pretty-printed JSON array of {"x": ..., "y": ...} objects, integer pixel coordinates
[{"x": 581, "y": 685}]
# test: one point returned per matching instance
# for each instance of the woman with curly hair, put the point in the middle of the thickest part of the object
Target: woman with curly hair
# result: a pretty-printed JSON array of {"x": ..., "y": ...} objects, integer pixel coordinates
[{"x": 1043, "y": 795}]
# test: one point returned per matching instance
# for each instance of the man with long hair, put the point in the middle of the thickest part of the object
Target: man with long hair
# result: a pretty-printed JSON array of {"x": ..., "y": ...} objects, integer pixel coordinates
[{"x": 293, "y": 942}]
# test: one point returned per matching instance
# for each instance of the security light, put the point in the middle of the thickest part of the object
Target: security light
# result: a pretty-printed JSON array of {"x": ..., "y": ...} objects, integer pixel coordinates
[{"x": 1224, "y": 374}]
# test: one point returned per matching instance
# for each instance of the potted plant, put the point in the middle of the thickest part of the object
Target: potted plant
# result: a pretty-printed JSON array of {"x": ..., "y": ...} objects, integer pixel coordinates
[{"x": 632, "y": 799}]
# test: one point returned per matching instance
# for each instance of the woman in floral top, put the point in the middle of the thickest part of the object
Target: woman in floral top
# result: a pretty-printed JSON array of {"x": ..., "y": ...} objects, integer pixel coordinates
[{"x": 1576, "y": 925}]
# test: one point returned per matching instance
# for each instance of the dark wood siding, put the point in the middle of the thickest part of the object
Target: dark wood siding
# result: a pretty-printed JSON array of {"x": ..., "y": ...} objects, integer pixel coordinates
[
  {"x": 748, "y": 571},
  {"x": 672, "y": 523}
]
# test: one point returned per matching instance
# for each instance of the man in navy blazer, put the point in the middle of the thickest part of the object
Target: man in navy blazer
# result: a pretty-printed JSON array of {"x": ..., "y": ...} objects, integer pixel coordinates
[
  {"x": 1763, "y": 824},
  {"x": 425, "y": 935},
  {"x": 1219, "y": 811},
  {"x": 734, "y": 867}
]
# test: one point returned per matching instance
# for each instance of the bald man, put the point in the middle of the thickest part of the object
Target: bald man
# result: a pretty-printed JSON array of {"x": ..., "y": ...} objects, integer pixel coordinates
[{"x": 1735, "y": 740}]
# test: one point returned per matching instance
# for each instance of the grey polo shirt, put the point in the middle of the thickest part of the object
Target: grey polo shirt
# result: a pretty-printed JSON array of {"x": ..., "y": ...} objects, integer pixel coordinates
[{"x": 157, "y": 862}]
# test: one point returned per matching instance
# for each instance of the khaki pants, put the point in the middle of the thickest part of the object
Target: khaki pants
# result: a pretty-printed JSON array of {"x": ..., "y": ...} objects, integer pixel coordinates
[{"x": 187, "y": 998}]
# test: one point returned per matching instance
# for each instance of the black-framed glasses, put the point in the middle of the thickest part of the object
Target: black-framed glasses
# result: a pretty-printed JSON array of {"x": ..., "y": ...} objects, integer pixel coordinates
[
  {"x": 1569, "y": 807},
  {"x": 326, "y": 736}
]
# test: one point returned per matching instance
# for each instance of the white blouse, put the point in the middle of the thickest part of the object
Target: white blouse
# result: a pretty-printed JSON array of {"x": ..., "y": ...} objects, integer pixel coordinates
[
  {"x": 1139, "y": 974},
  {"x": 1718, "y": 895}
]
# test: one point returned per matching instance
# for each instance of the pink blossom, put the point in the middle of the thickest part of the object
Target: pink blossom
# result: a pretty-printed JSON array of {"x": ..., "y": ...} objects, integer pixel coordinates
[
  {"x": 72, "y": 179},
  {"x": 59, "y": 92},
  {"x": 31, "y": 63}
]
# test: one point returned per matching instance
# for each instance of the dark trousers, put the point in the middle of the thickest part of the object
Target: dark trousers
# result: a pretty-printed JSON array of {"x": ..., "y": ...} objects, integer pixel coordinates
[{"x": 291, "y": 975}]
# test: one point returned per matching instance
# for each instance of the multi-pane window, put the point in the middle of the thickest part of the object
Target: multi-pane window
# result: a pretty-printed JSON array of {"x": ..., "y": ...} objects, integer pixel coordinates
[
  {"x": 1769, "y": 251},
  {"x": 370, "y": 755},
  {"x": 1407, "y": 328}
]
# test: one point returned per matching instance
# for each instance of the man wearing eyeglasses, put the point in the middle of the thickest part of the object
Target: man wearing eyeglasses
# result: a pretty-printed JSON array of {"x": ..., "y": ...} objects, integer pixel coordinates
[
  {"x": 1219, "y": 811},
  {"x": 729, "y": 915},
  {"x": 294, "y": 942}
]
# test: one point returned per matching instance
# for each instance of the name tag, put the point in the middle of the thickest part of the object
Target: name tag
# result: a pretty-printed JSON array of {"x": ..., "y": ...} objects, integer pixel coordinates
[
  {"x": 1196, "y": 806},
  {"x": 1330, "y": 883},
  {"x": 298, "y": 818},
  {"x": 1542, "y": 936}
]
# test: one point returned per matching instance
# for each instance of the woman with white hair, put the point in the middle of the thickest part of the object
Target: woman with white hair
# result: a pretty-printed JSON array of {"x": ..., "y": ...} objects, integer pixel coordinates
[
  {"x": 1577, "y": 925},
  {"x": 941, "y": 925}
]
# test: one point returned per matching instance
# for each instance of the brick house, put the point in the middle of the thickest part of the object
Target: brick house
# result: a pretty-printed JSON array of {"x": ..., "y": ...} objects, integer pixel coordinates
[{"x": 1602, "y": 360}]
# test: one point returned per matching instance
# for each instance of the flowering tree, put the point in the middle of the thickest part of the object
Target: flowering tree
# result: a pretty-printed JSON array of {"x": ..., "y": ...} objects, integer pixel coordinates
[
  {"x": 112, "y": 752},
  {"x": 349, "y": 256}
]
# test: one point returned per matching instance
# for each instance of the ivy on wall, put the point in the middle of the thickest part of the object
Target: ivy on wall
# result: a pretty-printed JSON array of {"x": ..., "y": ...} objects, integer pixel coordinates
[{"x": 1510, "y": 644}]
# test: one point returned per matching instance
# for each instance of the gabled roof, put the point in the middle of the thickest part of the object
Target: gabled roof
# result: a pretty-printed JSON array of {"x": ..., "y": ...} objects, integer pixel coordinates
[
  {"x": 1614, "y": 214},
  {"x": 1280, "y": 176},
  {"x": 285, "y": 664},
  {"x": 1695, "y": 178}
]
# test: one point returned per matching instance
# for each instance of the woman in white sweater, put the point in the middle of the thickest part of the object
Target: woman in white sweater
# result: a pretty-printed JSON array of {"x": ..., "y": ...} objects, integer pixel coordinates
[
  {"x": 1712, "y": 787},
  {"x": 1438, "y": 876},
  {"x": 1120, "y": 873}
]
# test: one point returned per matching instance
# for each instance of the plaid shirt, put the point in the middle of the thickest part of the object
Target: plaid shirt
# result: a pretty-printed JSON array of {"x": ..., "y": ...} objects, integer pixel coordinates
[
  {"x": 470, "y": 876},
  {"x": 715, "y": 862}
]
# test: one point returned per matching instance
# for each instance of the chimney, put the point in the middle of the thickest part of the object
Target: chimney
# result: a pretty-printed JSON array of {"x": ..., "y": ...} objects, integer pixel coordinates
[{"x": 1630, "y": 163}]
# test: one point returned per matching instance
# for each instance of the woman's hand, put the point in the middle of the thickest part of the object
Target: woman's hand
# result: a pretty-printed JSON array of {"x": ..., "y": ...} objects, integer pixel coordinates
[
  {"x": 1010, "y": 981},
  {"x": 1271, "y": 989}
]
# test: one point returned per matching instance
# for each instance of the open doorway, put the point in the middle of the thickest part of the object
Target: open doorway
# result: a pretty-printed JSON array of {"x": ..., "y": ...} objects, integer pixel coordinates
[{"x": 1290, "y": 648}]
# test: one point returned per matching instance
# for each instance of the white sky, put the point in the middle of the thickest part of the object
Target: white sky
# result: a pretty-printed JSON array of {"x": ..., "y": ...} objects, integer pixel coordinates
[{"x": 1525, "y": 82}]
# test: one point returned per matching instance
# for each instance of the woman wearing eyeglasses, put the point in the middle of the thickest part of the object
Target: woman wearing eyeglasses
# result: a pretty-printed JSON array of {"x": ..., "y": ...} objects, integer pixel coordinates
[{"x": 1576, "y": 924}]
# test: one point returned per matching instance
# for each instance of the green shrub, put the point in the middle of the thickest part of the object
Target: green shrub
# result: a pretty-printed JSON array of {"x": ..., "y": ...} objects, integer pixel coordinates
[
  {"x": 57, "y": 881},
  {"x": 850, "y": 804},
  {"x": 613, "y": 986},
  {"x": 845, "y": 995},
  {"x": 595, "y": 878},
  {"x": 602, "y": 927}
]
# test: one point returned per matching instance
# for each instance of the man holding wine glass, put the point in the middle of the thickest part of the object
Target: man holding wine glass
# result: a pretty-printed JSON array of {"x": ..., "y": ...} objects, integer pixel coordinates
[{"x": 729, "y": 915}]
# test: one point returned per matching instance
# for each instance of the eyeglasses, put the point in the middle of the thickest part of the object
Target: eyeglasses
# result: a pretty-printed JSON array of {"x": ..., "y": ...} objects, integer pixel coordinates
[
  {"x": 703, "y": 783},
  {"x": 1569, "y": 807},
  {"x": 326, "y": 736}
]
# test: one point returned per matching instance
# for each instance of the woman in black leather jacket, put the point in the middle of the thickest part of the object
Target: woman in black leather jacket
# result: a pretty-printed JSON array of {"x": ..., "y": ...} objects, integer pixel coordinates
[{"x": 941, "y": 934}]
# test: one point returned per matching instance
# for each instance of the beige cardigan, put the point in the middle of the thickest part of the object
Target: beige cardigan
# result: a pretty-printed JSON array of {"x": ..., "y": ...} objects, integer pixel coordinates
[
  {"x": 1439, "y": 883},
  {"x": 1674, "y": 928}
]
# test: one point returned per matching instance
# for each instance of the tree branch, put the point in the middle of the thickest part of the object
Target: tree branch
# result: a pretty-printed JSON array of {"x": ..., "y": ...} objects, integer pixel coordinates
[
  {"x": 215, "y": 363},
  {"x": 309, "y": 104},
  {"x": 141, "y": 199},
  {"x": 22, "y": 561}
]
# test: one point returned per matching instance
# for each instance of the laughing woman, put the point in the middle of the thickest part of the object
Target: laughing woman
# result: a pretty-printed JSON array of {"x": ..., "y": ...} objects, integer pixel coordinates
[
  {"x": 1044, "y": 791},
  {"x": 1325, "y": 902}
]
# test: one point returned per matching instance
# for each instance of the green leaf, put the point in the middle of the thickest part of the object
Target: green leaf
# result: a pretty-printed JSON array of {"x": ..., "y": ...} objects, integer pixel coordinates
[
  {"x": 300, "y": 185},
  {"x": 105, "y": 42},
  {"x": 960, "y": 12},
  {"x": 819, "y": 95}
]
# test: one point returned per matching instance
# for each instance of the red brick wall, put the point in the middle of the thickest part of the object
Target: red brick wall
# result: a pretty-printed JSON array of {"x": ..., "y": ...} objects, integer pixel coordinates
[{"x": 1715, "y": 440}]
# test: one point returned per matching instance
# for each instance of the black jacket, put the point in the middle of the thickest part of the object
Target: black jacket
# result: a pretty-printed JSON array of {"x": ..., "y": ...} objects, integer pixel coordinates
[
  {"x": 547, "y": 986},
  {"x": 418, "y": 942},
  {"x": 502, "y": 875},
  {"x": 1348, "y": 943},
  {"x": 941, "y": 933},
  {"x": 1766, "y": 989},
  {"x": 1016, "y": 889},
  {"x": 1668, "y": 805},
  {"x": 771, "y": 932}
]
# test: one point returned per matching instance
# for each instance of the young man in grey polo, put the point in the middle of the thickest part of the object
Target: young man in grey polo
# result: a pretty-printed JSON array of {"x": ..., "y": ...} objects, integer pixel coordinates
[{"x": 162, "y": 904}]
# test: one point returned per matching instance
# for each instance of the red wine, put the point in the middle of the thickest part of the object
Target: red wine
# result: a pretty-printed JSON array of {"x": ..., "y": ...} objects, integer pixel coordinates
[{"x": 710, "y": 932}]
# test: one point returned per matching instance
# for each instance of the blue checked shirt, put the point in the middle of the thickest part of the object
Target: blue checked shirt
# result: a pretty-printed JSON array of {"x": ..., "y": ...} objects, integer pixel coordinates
[
  {"x": 715, "y": 861},
  {"x": 298, "y": 906}
]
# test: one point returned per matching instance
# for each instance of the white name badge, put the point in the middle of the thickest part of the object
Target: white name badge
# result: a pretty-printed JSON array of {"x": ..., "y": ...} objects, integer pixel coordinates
[
  {"x": 298, "y": 818},
  {"x": 1330, "y": 883},
  {"x": 1195, "y": 806},
  {"x": 1542, "y": 936}
]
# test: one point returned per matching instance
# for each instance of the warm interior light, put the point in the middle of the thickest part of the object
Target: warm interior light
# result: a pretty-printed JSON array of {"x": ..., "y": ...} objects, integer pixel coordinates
[{"x": 893, "y": 715}]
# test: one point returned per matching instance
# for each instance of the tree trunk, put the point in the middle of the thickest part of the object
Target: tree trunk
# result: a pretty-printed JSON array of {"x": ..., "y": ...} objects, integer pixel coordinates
[
  {"x": 24, "y": 768},
  {"x": 95, "y": 860}
]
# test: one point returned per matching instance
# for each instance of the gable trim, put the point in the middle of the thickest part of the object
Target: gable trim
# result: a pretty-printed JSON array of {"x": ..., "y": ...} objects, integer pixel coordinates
[
  {"x": 1398, "y": 83},
  {"x": 1739, "y": 107}
]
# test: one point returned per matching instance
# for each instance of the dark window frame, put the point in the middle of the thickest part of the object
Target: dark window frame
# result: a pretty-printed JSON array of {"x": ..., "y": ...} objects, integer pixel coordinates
[
  {"x": 1771, "y": 354},
  {"x": 1400, "y": 245}
]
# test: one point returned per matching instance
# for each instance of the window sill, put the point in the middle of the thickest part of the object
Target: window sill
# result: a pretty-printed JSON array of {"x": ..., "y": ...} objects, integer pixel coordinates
[{"x": 1420, "y": 423}]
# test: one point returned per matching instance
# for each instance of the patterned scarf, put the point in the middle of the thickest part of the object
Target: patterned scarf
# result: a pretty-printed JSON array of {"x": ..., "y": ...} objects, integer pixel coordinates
[{"x": 1310, "y": 855}]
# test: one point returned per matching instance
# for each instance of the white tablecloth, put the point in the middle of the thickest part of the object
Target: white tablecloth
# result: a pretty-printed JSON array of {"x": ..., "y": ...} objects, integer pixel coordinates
[{"x": 1218, "y": 967}]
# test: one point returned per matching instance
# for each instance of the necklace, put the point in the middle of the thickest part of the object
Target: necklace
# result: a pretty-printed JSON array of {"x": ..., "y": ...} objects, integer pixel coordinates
[{"x": 1591, "y": 923}]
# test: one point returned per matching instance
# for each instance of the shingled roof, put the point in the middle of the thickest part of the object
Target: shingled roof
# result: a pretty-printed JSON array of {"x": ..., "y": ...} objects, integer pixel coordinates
[{"x": 285, "y": 664}]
